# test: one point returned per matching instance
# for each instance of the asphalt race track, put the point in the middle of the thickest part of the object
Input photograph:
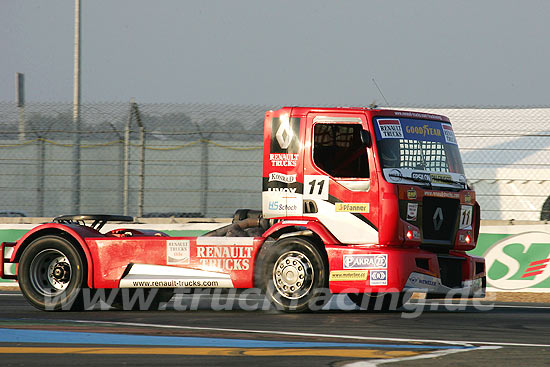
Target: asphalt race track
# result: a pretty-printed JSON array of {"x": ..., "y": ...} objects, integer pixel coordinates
[{"x": 427, "y": 333}]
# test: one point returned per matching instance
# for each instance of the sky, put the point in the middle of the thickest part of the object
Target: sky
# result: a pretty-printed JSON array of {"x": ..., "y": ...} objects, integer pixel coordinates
[{"x": 309, "y": 52}]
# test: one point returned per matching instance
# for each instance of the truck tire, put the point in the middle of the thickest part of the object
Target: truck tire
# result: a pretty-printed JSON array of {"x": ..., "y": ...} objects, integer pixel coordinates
[
  {"x": 51, "y": 274},
  {"x": 379, "y": 301},
  {"x": 293, "y": 274}
]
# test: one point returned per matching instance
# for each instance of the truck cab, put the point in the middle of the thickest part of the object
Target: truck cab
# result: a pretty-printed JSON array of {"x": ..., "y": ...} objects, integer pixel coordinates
[{"x": 384, "y": 182}]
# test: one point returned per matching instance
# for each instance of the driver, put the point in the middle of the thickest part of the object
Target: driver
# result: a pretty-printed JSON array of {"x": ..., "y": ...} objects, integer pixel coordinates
[{"x": 390, "y": 153}]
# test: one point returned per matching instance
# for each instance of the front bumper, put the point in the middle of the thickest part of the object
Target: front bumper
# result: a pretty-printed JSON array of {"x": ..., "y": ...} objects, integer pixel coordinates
[{"x": 377, "y": 269}]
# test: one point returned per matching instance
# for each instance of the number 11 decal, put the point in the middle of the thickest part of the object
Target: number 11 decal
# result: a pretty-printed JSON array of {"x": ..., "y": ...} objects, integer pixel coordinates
[{"x": 315, "y": 187}]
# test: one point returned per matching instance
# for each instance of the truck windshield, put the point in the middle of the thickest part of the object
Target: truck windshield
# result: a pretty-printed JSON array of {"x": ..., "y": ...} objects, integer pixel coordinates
[{"x": 420, "y": 151}]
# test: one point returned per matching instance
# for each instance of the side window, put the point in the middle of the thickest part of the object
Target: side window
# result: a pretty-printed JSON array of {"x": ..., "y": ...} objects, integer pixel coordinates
[{"x": 337, "y": 150}]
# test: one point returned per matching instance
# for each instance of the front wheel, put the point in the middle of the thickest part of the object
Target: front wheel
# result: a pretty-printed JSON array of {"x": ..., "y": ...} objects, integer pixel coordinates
[
  {"x": 293, "y": 274},
  {"x": 51, "y": 274}
]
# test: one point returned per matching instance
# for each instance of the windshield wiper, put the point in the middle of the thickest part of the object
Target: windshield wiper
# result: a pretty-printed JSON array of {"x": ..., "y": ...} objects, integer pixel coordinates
[
  {"x": 415, "y": 179},
  {"x": 430, "y": 181}
]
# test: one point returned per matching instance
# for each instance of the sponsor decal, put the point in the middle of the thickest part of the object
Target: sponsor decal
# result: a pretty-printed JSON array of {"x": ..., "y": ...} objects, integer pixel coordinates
[
  {"x": 418, "y": 115},
  {"x": 413, "y": 129},
  {"x": 378, "y": 277},
  {"x": 422, "y": 281},
  {"x": 467, "y": 198},
  {"x": 282, "y": 207},
  {"x": 424, "y": 130},
  {"x": 421, "y": 176},
  {"x": 411, "y": 194},
  {"x": 519, "y": 261},
  {"x": 412, "y": 211},
  {"x": 281, "y": 202},
  {"x": 169, "y": 283},
  {"x": 375, "y": 261},
  {"x": 443, "y": 194},
  {"x": 449, "y": 133},
  {"x": 440, "y": 178},
  {"x": 390, "y": 129},
  {"x": 177, "y": 252},
  {"x": 281, "y": 177},
  {"x": 352, "y": 207},
  {"x": 466, "y": 216},
  {"x": 291, "y": 190},
  {"x": 283, "y": 159},
  {"x": 346, "y": 275},
  {"x": 225, "y": 257}
]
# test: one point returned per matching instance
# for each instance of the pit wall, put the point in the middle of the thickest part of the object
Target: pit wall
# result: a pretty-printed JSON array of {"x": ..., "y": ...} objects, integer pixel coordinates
[{"x": 517, "y": 254}]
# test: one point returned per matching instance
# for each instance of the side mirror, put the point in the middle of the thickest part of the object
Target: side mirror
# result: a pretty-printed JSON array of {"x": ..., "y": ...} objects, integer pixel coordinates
[{"x": 366, "y": 138}]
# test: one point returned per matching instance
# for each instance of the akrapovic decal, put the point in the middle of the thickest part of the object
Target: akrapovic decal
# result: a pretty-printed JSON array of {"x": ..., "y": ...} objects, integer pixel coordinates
[{"x": 378, "y": 261}]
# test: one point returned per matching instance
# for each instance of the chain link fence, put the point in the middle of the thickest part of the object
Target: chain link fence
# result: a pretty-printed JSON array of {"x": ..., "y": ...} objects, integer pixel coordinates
[
  {"x": 206, "y": 160},
  {"x": 141, "y": 160}
]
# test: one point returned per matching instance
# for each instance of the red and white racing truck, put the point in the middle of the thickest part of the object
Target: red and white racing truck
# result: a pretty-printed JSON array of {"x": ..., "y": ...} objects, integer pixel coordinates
[{"x": 355, "y": 200}]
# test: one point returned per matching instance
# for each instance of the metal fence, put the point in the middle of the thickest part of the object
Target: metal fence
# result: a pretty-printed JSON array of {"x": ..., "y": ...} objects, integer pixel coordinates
[{"x": 205, "y": 160}]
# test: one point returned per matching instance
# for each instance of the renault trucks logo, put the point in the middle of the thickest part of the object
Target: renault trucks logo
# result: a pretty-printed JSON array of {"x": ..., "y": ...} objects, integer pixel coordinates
[
  {"x": 365, "y": 261},
  {"x": 519, "y": 261},
  {"x": 438, "y": 219},
  {"x": 284, "y": 134}
]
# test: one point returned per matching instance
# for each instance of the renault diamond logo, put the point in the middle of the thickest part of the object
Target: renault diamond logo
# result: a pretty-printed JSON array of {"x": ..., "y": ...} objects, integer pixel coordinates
[
  {"x": 438, "y": 219},
  {"x": 284, "y": 134}
]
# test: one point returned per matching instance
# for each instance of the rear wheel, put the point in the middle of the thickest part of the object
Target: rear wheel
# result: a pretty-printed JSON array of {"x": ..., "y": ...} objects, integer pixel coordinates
[
  {"x": 379, "y": 301},
  {"x": 51, "y": 274},
  {"x": 293, "y": 274}
]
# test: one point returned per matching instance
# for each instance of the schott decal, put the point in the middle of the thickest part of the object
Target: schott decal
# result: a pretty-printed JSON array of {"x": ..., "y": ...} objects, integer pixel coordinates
[
  {"x": 366, "y": 261},
  {"x": 519, "y": 261}
]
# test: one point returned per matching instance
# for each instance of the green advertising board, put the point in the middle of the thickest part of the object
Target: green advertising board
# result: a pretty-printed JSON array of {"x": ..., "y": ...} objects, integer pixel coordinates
[{"x": 517, "y": 258}]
